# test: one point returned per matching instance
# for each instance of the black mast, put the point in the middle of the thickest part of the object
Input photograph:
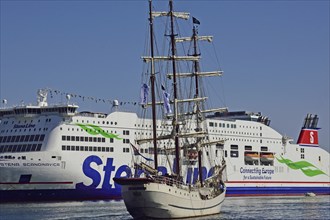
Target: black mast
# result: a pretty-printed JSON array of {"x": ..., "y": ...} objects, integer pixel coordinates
[
  {"x": 196, "y": 65},
  {"x": 152, "y": 80},
  {"x": 196, "y": 69},
  {"x": 175, "y": 122}
]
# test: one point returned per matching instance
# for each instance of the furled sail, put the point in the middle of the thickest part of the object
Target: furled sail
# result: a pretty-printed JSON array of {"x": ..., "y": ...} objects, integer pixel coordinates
[{"x": 182, "y": 15}]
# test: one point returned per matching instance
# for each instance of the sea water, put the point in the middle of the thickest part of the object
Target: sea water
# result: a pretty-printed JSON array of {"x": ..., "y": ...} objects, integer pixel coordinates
[{"x": 233, "y": 208}]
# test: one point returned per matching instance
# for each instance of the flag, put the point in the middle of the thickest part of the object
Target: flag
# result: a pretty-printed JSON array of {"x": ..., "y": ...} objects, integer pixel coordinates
[
  {"x": 167, "y": 102},
  {"x": 195, "y": 21},
  {"x": 137, "y": 153},
  {"x": 144, "y": 94}
]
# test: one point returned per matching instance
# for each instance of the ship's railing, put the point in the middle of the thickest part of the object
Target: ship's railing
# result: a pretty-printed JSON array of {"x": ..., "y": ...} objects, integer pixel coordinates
[
  {"x": 92, "y": 114},
  {"x": 171, "y": 181}
]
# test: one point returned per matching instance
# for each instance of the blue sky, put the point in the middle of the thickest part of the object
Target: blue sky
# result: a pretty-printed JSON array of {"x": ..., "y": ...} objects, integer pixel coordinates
[{"x": 275, "y": 54}]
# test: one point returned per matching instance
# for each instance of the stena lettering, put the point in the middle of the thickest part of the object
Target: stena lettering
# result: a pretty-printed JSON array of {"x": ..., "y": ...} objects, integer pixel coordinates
[
  {"x": 95, "y": 176},
  {"x": 311, "y": 135},
  {"x": 122, "y": 171}
]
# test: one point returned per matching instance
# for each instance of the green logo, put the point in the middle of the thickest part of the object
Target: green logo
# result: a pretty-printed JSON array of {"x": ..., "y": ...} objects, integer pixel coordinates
[
  {"x": 307, "y": 168},
  {"x": 95, "y": 130}
]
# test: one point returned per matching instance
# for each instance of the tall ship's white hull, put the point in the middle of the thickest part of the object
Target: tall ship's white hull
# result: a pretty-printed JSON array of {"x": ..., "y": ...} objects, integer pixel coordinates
[
  {"x": 161, "y": 202},
  {"x": 56, "y": 153}
]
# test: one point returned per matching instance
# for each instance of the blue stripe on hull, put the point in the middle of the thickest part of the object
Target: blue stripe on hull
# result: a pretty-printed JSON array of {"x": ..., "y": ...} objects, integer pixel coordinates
[
  {"x": 58, "y": 195},
  {"x": 275, "y": 191},
  {"x": 101, "y": 194}
]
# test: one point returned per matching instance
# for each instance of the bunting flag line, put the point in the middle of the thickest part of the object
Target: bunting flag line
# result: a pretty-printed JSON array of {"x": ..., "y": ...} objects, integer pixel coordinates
[
  {"x": 53, "y": 92},
  {"x": 137, "y": 153}
]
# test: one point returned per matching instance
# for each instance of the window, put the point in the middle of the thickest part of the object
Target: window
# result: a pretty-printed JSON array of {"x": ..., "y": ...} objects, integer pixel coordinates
[
  {"x": 219, "y": 146},
  {"x": 16, "y": 139},
  {"x": 234, "y": 147},
  {"x": 34, "y": 147},
  {"x": 31, "y": 138},
  {"x": 248, "y": 147},
  {"x": 63, "y": 147},
  {"x": 29, "y": 147},
  {"x": 264, "y": 148},
  {"x": 20, "y": 140},
  {"x": 233, "y": 153},
  {"x": 38, "y": 136},
  {"x": 211, "y": 124},
  {"x": 9, "y": 139},
  {"x": 19, "y": 147},
  {"x": 125, "y": 132}
]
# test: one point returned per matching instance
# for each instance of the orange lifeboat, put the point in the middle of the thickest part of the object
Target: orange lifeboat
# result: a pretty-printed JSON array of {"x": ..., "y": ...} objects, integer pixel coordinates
[
  {"x": 266, "y": 157},
  {"x": 251, "y": 156}
]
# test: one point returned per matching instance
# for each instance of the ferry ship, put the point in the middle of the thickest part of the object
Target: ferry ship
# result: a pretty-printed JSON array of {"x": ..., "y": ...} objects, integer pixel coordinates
[
  {"x": 54, "y": 152},
  {"x": 57, "y": 153}
]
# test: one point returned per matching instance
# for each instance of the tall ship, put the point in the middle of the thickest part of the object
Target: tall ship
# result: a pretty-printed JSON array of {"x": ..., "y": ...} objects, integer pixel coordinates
[
  {"x": 172, "y": 195},
  {"x": 52, "y": 152}
]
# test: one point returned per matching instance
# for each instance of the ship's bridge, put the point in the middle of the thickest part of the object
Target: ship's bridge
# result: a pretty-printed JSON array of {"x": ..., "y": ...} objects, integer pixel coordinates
[
  {"x": 29, "y": 111},
  {"x": 41, "y": 108}
]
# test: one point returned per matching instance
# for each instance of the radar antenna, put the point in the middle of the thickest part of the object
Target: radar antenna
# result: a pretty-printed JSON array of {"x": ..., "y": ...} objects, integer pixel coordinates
[{"x": 42, "y": 97}]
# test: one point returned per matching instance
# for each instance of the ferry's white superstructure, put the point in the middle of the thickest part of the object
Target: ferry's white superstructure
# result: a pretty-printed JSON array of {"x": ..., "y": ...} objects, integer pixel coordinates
[{"x": 56, "y": 153}]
